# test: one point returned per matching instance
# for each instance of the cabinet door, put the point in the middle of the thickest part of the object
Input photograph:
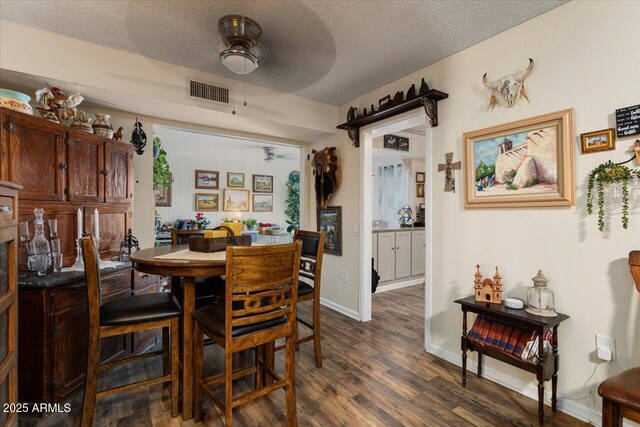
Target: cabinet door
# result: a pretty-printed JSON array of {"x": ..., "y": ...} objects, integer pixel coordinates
[
  {"x": 118, "y": 172},
  {"x": 374, "y": 250},
  {"x": 417, "y": 253},
  {"x": 85, "y": 179},
  {"x": 386, "y": 256},
  {"x": 70, "y": 348},
  {"x": 403, "y": 254},
  {"x": 67, "y": 217},
  {"x": 33, "y": 155},
  {"x": 115, "y": 220}
]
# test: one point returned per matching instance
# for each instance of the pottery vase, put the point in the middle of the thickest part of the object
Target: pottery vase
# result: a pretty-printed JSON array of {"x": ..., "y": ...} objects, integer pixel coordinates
[
  {"x": 102, "y": 126},
  {"x": 15, "y": 101},
  {"x": 83, "y": 126}
]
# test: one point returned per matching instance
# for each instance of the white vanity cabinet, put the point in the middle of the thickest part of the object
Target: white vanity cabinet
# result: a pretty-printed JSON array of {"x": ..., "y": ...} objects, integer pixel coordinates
[{"x": 398, "y": 254}]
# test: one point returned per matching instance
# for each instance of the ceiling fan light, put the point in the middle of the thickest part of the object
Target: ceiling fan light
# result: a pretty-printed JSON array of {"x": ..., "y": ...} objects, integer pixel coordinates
[{"x": 238, "y": 60}]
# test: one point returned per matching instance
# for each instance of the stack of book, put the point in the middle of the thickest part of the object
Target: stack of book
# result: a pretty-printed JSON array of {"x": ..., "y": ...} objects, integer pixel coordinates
[{"x": 520, "y": 343}]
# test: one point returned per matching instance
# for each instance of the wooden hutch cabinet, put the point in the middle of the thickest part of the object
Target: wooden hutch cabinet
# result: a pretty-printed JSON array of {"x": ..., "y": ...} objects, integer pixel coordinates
[
  {"x": 62, "y": 170},
  {"x": 8, "y": 298}
]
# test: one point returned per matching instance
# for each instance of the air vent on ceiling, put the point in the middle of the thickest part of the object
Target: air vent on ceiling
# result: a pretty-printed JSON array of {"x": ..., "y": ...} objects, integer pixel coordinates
[{"x": 208, "y": 92}]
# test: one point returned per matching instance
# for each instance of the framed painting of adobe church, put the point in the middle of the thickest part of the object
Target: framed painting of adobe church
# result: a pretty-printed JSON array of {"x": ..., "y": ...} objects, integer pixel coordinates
[{"x": 527, "y": 163}]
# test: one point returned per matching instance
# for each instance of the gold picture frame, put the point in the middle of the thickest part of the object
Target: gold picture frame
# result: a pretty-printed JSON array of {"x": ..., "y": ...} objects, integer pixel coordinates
[
  {"x": 207, "y": 202},
  {"x": 235, "y": 179},
  {"x": 236, "y": 200},
  {"x": 599, "y": 140},
  {"x": 526, "y": 163}
]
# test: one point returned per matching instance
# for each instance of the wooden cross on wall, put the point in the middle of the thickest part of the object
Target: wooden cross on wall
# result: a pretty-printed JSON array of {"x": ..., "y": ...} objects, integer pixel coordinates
[{"x": 448, "y": 168}]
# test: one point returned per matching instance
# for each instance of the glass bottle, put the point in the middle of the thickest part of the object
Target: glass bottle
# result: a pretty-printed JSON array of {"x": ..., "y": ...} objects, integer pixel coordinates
[
  {"x": 540, "y": 299},
  {"x": 40, "y": 244}
]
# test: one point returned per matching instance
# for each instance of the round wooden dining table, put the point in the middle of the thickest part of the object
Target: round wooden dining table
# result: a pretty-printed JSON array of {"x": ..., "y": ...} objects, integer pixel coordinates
[{"x": 147, "y": 261}]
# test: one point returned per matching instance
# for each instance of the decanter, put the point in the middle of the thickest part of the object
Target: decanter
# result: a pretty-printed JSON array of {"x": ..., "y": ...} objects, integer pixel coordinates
[
  {"x": 40, "y": 245},
  {"x": 540, "y": 299}
]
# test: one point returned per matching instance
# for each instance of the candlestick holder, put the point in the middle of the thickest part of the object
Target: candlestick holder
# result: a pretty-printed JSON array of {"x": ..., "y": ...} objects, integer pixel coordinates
[
  {"x": 96, "y": 243},
  {"x": 79, "y": 264}
]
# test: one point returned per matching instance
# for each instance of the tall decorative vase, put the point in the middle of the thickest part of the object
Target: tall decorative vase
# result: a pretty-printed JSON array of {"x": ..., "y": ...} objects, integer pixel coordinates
[{"x": 102, "y": 126}]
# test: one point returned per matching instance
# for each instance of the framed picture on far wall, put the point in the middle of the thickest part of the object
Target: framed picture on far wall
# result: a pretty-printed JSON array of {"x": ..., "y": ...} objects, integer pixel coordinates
[
  {"x": 330, "y": 221},
  {"x": 207, "y": 180},
  {"x": 207, "y": 202},
  {"x": 235, "y": 179},
  {"x": 390, "y": 141},
  {"x": 420, "y": 191},
  {"x": 163, "y": 195},
  {"x": 403, "y": 143},
  {"x": 236, "y": 200},
  {"x": 262, "y": 184},
  {"x": 262, "y": 203},
  {"x": 420, "y": 177},
  {"x": 600, "y": 140}
]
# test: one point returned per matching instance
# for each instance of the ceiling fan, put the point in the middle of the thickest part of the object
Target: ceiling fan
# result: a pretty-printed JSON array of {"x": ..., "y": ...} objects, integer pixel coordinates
[
  {"x": 239, "y": 49},
  {"x": 271, "y": 154}
]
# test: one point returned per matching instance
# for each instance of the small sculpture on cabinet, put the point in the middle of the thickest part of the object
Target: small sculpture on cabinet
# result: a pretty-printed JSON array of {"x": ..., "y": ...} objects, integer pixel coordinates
[{"x": 488, "y": 290}]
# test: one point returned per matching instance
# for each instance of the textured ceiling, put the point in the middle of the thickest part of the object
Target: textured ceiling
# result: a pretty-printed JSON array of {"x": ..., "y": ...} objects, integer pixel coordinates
[{"x": 329, "y": 51}]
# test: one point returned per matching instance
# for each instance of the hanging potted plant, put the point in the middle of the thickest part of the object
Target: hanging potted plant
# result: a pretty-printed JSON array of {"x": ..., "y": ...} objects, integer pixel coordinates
[
  {"x": 161, "y": 174},
  {"x": 613, "y": 174}
]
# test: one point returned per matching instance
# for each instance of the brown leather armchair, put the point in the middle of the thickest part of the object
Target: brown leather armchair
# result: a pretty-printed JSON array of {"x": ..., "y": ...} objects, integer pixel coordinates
[{"x": 621, "y": 393}]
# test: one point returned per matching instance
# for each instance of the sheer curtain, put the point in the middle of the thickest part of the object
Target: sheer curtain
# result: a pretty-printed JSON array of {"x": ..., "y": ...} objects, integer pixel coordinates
[{"x": 392, "y": 185}]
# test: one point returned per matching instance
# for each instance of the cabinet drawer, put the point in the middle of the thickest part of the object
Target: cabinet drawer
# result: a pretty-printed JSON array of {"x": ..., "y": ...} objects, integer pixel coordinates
[
  {"x": 7, "y": 208},
  {"x": 70, "y": 296}
]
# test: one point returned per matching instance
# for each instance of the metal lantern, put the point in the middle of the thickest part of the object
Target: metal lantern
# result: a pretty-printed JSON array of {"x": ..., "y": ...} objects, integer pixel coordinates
[
  {"x": 127, "y": 245},
  {"x": 540, "y": 299},
  {"x": 139, "y": 138}
]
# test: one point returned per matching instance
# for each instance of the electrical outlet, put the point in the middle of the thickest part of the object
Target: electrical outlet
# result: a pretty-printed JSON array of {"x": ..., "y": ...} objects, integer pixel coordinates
[
  {"x": 606, "y": 348},
  {"x": 344, "y": 277}
]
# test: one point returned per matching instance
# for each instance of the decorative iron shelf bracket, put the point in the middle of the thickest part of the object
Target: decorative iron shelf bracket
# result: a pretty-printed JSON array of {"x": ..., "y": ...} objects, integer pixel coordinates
[{"x": 428, "y": 101}]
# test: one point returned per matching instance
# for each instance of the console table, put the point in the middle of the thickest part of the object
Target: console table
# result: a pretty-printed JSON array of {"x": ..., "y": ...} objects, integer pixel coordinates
[{"x": 547, "y": 367}]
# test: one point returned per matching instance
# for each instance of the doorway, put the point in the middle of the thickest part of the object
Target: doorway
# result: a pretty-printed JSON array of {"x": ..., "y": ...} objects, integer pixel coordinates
[{"x": 370, "y": 137}]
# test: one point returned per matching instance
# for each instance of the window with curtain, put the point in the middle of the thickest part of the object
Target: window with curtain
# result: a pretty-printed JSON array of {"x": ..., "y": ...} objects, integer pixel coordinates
[{"x": 392, "y": 188}]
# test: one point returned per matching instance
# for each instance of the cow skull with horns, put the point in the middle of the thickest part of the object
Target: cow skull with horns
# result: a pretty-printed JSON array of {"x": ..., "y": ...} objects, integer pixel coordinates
[{"x": 511, "y": 87}]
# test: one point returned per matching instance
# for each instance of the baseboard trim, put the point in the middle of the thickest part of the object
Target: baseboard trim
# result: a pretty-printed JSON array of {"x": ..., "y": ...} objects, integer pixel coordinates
[
  {"x": 399, "y": 285},
  {"x": 528, "y": 389},
  {"x": 340, "y": 309}
]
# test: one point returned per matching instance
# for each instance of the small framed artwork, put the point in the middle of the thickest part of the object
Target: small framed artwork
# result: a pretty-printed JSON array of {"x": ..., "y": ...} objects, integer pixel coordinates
[
  {"x": 207, "y": 180},
  {"x": 390, "y": 141},
  {"x": 330, "y": 221},
  {"x": 262, "y": 184},
  {"x": 403, "y": 143},
  {"x": 420, "y": 177},
  {"x": 207, "y": 202},
  {"x": 236, "y": 200},
  {"x": 235, "y": 179},
  {"x": 420, "y": 191},
  {"x": 163, "y": 195},
  {"x": 263, "y": 203},
  {"x": 600, "y": 140}
]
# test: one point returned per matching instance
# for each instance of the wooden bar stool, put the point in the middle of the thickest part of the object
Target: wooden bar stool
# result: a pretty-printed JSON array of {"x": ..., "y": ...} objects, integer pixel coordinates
[
  {"x": 621, "y": 393},
  {"x": 259, "y": 308},
  {"x": 309, "y": 286},
  {"x": 126, "y": 315}
]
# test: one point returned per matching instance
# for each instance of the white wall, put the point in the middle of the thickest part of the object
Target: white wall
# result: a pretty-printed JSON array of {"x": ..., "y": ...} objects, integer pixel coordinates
[
  {"x": 593, "y": 72},
  {"x": 211, "y": 152}
]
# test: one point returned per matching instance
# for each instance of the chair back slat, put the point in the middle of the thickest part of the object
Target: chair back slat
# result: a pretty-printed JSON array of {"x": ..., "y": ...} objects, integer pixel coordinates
[
  {"x": 92, "y": 277},
  {"x": 262, "y": 283},
  {"x": 311, "y": 257}
]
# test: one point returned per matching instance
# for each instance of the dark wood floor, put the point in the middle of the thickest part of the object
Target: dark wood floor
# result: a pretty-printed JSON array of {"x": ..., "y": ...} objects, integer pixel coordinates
[{"x": 374, "y": 374}]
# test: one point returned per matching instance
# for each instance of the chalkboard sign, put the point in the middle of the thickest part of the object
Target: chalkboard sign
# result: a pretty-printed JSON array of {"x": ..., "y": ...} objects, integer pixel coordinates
[{"x": 628, "y": 121}]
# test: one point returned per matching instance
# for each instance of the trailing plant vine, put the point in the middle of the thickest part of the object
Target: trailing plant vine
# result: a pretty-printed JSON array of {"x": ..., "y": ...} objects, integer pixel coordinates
[
  {"x": 161, "y": 173},
  {"x": 293, "y": 205},
  {"x": 609, "y": 173}
]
